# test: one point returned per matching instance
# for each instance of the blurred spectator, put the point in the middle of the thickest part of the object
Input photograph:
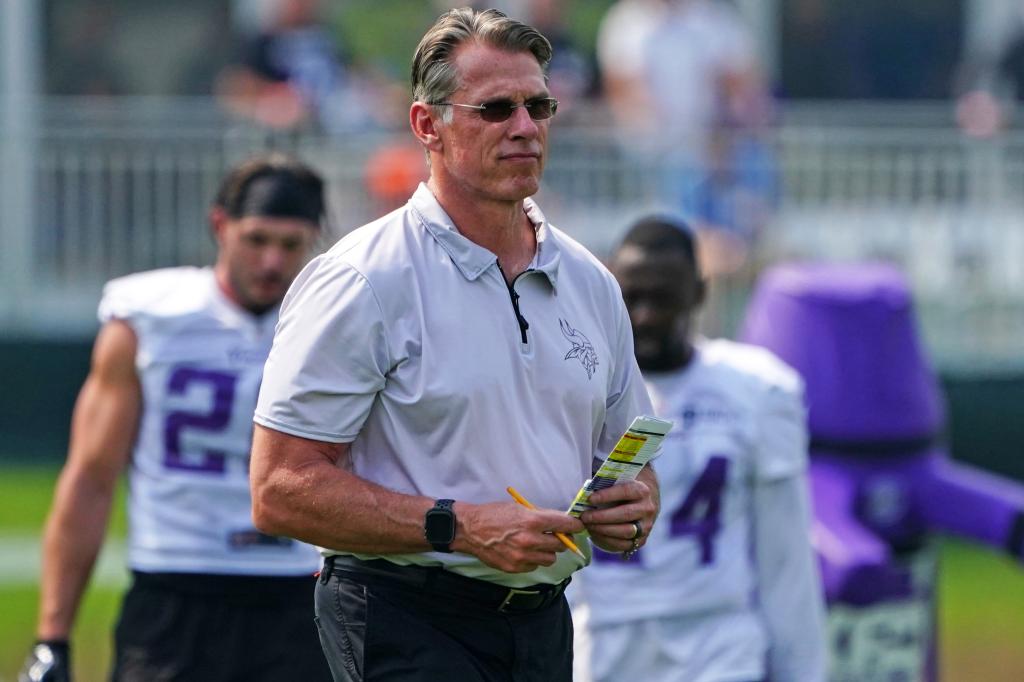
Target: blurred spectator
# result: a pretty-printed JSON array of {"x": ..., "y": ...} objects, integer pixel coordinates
[
  {"x": 571, "y": 73},
  {"x": 734, "y": 199},
  {"x": 78, "y": 62},
  {"x": 622, "y": 39},
  {"x": 686, "y": 90},
  {"x": 198, "y": 74},
  {"x": 677, "y": 68},
  {"x": 989, "y": 87},
  {"x": 702, "y": 71},
  {"x": 293, "y": 75}
]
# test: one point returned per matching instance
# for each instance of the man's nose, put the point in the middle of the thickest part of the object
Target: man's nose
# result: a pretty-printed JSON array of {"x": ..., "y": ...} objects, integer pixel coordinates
[
  {"x": 642, "y": 314},
  {"x": 272, "y": 258},
  {"x": 522, "y": 125}
]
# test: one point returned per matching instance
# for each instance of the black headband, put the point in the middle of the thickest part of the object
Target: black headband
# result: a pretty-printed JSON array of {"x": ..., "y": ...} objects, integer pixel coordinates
[{"x": 279, "y": 196}]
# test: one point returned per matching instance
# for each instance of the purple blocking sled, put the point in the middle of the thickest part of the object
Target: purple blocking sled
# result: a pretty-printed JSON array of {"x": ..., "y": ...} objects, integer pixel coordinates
[{"x": 881, "y": 480}]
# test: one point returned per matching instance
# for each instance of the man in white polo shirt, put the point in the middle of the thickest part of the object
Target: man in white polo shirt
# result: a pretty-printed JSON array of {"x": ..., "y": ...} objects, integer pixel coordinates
[{"x": 430, "y": 359}]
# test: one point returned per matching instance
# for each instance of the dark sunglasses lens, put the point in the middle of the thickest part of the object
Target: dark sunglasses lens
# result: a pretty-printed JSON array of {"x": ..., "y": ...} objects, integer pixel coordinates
[
  {"x": 496, "y": 112},
  {"x": 541, "y": 109}
]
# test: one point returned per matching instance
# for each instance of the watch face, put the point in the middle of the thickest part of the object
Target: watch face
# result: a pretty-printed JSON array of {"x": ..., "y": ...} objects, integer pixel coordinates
[{"x": 440, "y": 526}]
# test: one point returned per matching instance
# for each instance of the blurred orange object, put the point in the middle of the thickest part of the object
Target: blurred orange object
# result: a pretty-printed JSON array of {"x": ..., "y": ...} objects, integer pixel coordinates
[{"x": 393, "y": 172}]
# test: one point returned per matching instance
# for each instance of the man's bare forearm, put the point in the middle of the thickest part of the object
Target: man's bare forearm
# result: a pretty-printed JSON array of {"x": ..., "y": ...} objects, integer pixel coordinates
[
  {"x": 322, "y": 504},
  {"x": 103, "y": 427},
  {"x": 71, "y": 542},
  {"x": 302, "y": 489}
]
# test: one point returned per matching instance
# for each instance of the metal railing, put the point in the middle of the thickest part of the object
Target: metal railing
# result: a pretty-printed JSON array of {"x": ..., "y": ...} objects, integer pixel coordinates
[{"x": 121, "y": 186}]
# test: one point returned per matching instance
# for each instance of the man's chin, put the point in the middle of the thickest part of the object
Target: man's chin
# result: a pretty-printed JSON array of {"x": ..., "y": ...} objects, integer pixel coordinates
[
  {"x": 647, "y": 348},
  {"x": 261, "y": 301},
  {"x": 520, "y": 188}
]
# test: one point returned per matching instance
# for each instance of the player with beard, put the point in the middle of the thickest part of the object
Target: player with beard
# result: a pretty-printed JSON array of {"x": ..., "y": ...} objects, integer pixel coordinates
[{"x": 726, "y": 589}]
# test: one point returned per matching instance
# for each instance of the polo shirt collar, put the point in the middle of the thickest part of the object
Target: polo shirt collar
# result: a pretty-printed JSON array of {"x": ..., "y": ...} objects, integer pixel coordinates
[
  {"x": 549, "y": 254},
  {"x": 470, "y": 258}
]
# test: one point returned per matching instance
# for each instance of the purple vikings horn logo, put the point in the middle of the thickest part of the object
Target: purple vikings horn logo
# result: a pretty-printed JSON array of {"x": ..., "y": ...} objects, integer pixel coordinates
[{"x": 581, "y": 348}]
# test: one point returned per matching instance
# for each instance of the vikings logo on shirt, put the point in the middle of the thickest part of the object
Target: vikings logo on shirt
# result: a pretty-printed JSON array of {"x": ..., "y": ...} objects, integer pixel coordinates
[{"x": 581, "y": 348}]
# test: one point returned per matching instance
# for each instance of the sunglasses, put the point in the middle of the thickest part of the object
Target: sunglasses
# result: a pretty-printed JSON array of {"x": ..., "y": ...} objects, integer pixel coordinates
[{"x": 539, "y": 108}]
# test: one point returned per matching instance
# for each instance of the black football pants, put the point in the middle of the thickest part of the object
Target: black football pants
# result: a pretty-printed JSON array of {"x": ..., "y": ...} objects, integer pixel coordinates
[
  {"x": 200, "y": 628},
  {"x": 376, "y": 630}
]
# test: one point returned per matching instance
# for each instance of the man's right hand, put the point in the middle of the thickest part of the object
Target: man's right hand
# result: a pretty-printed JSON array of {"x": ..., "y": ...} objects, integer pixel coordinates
[
  {"x": 510, "y": 537},
  {"x": 48, "y": 662}
]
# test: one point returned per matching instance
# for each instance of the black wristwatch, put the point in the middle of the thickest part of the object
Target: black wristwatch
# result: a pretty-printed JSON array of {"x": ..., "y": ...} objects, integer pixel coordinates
[{"x": 439, "y": 525}]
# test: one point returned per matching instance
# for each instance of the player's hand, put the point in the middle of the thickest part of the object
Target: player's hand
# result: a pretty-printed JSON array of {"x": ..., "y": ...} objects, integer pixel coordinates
[
  {"x": 613, "y": 525},
  {"x": 510, "y": 537},
  {"x": 47, "y": 662}
]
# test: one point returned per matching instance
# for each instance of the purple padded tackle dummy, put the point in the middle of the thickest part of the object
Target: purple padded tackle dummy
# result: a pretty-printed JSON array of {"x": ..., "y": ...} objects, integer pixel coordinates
[{"x": 881, "y": 479}]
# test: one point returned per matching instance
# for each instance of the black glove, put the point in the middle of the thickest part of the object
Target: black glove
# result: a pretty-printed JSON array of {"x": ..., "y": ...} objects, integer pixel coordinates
[{"x": 49, "y": 662}]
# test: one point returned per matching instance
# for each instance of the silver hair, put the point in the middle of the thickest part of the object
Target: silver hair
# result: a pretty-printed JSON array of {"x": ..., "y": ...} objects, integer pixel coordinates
[{"x": 434, "y": 76}]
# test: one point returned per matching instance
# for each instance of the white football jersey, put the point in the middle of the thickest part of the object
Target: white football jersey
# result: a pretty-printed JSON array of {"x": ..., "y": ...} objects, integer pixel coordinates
[
  {"x": 200, "y": 362},
  {"x": 739, "y": 417}
]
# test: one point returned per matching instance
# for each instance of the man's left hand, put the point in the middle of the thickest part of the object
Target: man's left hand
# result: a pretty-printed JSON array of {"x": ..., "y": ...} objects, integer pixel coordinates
[{"x": 625, "y": 515}]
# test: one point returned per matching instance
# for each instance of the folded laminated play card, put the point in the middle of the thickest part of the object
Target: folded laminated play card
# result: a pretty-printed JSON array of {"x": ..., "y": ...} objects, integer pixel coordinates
[{"x": 635, "y": 448}]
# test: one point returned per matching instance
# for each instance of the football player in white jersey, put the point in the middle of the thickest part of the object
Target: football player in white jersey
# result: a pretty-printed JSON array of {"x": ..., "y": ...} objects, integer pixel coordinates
[
  {"x": 726, "y": 588},
  {"x": 169, "y": 398}
]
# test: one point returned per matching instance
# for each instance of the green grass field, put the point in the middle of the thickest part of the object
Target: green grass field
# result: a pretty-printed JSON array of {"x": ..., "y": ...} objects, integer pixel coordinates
[
  {"x": 25, "y": 495},
  {"x": 981, "y": 599}
]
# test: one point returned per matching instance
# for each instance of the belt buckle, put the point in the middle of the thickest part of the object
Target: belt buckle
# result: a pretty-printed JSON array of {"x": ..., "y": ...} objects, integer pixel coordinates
[{"x": 512, "y": 592}]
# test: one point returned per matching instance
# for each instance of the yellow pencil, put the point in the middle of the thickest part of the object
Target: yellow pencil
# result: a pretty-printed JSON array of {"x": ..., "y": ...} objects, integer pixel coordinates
[{"x": 566, "y": 540}]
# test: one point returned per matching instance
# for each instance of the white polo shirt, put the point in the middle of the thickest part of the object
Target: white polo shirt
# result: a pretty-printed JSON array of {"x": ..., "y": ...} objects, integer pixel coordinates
[{"x": 404, "y": 341}]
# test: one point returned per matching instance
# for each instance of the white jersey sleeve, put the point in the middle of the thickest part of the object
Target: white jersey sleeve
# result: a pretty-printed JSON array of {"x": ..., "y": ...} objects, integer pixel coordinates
[
  {"x": 789, "y": 587},
  {"x": 157, "y": 297},
  {"x": 783, "y": 433},
  {"x": 779, "y": 416}
]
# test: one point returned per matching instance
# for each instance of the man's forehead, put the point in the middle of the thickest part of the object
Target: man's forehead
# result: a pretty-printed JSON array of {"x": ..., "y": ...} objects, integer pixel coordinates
[
  {"x": 484, "y": 68},
  {"x": 632, "y": 260},
  {"x": 633, "y": 254},
  {"x": 280, "y": 225}
]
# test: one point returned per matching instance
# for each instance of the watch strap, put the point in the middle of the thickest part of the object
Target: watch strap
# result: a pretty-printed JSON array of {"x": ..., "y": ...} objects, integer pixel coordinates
[{"x": 444, "y": 507}]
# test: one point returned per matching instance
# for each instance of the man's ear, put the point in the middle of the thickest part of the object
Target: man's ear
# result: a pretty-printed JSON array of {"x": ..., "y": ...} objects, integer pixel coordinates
[
  {"x": 218, "y": 223},
  {"x": 424, "y": 126}
]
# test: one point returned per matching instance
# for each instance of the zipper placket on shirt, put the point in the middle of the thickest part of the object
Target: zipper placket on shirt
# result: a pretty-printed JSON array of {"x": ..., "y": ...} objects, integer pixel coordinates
[{"x": 514, "y": 297}]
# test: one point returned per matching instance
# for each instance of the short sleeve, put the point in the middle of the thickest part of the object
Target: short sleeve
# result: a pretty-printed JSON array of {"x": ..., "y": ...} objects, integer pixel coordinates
[
  {"x": 781, "y": 437},
  {"x": 330, "y": 355},
  {"x": 117, "y": 302}
]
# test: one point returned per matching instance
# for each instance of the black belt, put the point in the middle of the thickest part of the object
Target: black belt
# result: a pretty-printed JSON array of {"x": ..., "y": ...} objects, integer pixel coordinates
[{"x": 490, "y": 596}]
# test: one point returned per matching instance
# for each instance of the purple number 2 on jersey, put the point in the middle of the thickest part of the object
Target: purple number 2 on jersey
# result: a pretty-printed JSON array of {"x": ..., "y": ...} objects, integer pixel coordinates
[
  {"x": 213, "y": 420},
  {"x": 698, "y": 515}
]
